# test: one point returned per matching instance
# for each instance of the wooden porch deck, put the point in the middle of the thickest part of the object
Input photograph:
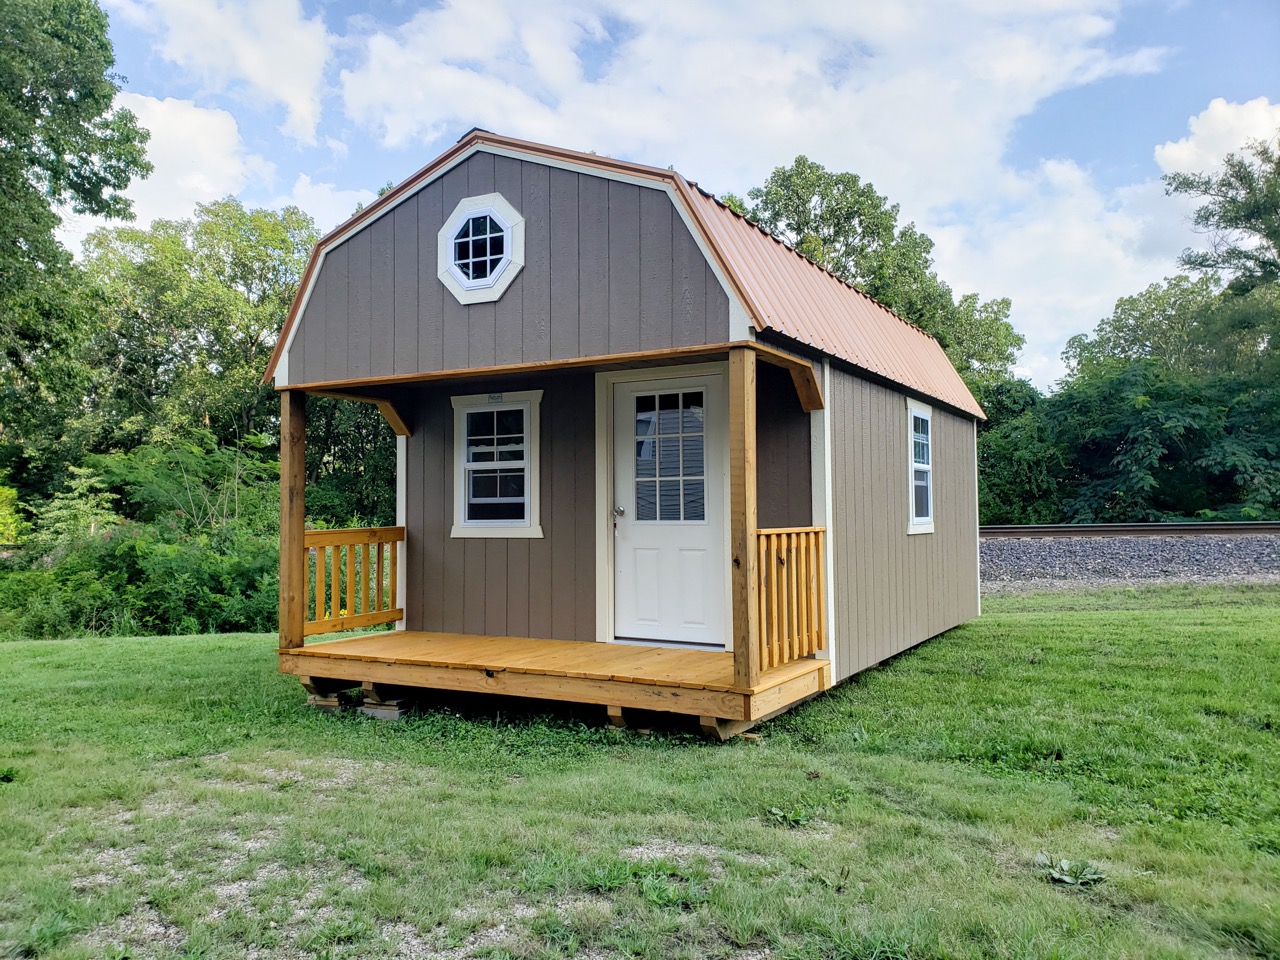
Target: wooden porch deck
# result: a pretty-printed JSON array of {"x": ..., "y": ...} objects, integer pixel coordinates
[{"x": 694, "y": 682}]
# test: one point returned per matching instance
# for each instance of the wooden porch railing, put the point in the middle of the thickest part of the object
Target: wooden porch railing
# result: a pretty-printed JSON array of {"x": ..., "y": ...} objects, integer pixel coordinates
[
  {"x": 793, "y": 608},
  {"x": 352, "y": 578}
]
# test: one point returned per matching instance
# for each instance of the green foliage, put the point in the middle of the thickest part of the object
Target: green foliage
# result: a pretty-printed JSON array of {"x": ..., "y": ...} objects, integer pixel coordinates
[
  {"x": 66, "y": 146},
  {"x": 1071, "y": 873},
  {"x": 1241, "y": 215},
  {"x": 10, "y": 523},
  {"x": 842, "y": 224},
  {"x": 199, "y": 552},
  {"x": 1164, "y": 323},
  {"x": 791, "y": 817},
  {"x": 1144, "y": 444},
  {"x": 76, "y": 513},
  {"x": 1020, "y": 466}
]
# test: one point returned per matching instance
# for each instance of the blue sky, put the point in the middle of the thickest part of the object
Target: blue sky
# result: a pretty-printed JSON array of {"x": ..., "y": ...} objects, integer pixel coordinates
[{"x": 1027, "y": 137}]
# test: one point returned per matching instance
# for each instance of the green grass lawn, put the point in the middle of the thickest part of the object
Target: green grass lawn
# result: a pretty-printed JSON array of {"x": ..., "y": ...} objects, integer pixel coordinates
[{"x": 173, "y": 797}]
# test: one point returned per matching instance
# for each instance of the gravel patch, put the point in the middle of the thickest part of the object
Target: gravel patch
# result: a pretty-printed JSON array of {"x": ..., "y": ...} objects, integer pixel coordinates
[{"x": 1017, "y": 564}]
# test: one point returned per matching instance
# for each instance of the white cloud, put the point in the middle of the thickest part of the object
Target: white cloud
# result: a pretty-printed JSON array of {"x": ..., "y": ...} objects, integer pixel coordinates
[
  {"x": 198, "y": 156},
  {"x": 326, "y": 204},
  {"x": 269, "y": 46},
  {"x": 1219, "y": 129},
  {"x": 920, "y": 99},
  {"x": 1069, "y": 249},
  {"x": 727, "y": 93}
]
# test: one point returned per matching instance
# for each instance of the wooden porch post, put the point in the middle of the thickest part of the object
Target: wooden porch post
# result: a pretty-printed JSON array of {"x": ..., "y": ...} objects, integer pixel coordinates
[
  {"x": 742, "y": 516},
  {"x": 293, "y": 557}
]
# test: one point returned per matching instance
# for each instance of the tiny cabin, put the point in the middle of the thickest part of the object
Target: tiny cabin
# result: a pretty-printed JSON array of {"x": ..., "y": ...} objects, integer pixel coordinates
[{"x": 648, "y": 456}]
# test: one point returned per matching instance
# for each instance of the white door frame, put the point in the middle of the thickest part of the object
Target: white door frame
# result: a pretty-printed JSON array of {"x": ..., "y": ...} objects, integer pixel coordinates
[{"x": 605, "y": 580}]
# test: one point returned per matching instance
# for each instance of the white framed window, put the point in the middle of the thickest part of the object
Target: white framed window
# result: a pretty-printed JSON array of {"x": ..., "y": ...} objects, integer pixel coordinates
[
  {"x": 495, "y": 465},
  {"x": 480, "y": 248},
  {"x": 920, "y": 467}
]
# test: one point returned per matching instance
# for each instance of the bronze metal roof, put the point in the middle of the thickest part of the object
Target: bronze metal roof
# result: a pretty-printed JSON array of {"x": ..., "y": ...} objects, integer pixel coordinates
[
  {"x": 781, "y": 290},
  {"x": 801, "y": 300}
]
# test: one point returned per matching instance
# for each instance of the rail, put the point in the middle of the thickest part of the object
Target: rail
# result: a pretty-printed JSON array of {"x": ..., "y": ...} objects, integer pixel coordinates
[
  {"x": 793, "y": 609},
  {"x": 1174, "y": 529},
  {"x": 352, "y": 578}
]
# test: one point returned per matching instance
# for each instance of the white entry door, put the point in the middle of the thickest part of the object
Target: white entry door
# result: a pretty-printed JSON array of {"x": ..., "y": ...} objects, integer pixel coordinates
[{"x": 670, "y": 478}]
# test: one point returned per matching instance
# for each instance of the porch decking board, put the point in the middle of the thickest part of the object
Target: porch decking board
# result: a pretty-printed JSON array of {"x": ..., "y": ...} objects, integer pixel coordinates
[{"x": 682, "y": 681}]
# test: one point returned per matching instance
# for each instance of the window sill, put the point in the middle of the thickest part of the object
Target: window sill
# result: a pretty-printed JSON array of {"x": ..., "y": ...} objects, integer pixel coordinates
[
  {"x": 466, "y": 532},
  {"x": 913, "y": 528}
]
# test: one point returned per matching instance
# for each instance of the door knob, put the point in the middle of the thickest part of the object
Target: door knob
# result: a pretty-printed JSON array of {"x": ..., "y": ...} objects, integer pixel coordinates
[{"x": 619, "y": 511}]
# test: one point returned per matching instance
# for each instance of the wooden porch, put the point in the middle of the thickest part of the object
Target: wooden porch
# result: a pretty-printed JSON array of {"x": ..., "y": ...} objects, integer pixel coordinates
[
  {"x": 338, "y": 580},
  {"x": 690, "y": 682}
]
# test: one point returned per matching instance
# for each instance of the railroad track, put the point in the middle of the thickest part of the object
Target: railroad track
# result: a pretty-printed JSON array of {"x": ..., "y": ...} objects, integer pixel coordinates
[{"x": 1189, "y": 529}]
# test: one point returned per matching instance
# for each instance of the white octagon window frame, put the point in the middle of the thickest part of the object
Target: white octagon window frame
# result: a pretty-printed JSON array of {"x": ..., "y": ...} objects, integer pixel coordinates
[
  {"x": 917, "y": 524},
  {"x": 529, "y": 401},
  {"x": 464, "y": 289}
]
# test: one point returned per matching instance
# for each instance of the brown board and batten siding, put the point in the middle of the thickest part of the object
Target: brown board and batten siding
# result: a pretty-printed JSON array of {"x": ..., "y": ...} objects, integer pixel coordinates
[
  {"x": 784, "y": 479},
  {"x": 610, "y": 267},
  {"x": 542, "y": 588},
  {"x": 894, "y": 590}
]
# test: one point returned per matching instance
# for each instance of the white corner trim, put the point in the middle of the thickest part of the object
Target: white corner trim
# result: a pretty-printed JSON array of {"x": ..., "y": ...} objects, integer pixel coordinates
[
  {"x": 402, "y": 512},
  {"x": 823, "y": 507},
  {"x": 977, "y": 518},
  {"x": 531, "y": 529},
  {"x": 492, "y": 288},
  {"x": 916, "y": 408},
  {"x": 604, "y": 499}
]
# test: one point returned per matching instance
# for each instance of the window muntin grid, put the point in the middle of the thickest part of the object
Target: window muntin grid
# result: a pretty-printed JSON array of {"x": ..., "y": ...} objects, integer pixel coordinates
[
  {"x": 670, "y": 457},
  {"x": 496, "y": 466},
  {"x": 921, "y": 470},
  {"x": 479, "y": 248}
]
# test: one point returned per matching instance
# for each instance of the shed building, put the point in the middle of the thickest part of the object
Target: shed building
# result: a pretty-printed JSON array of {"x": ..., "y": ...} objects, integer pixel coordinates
[{"x": 648, "y": 456}]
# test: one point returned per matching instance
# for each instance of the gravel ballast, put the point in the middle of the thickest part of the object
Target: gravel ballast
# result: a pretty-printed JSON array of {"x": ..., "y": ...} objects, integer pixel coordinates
[{"x": 1015, "y": 564}]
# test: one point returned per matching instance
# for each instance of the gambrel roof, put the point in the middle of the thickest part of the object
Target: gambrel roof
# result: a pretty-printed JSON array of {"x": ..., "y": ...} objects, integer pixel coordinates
[{"x": 779, "y": 289}]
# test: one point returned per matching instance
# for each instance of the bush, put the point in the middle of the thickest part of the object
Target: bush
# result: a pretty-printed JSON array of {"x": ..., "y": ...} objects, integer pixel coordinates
[{"x": 140, "y": 578}]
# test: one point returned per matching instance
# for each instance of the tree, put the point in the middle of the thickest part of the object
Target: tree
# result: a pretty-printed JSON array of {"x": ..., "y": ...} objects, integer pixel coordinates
[
  {"x": 1241, "y": 216},
  {"x": 1164, "y": 323},
  {"x": 64, "y": 146},
  {"x": 839, "y": 222},
  {"x": 191, "y": 311}
]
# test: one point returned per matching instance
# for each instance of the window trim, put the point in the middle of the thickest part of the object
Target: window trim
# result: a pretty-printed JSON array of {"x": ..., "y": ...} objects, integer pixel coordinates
[
  {"x": 530, "y": 401},
  {"x": 491, "y": 288},
  {"x": 915, "y": 524}
]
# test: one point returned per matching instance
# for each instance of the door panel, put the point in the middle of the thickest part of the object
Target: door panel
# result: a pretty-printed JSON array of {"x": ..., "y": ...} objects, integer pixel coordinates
[{"x": 670, "y": 495}]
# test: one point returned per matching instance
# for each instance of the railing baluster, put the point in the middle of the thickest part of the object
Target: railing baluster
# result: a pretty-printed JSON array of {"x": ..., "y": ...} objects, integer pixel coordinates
[
  {"x": 364, "y": 578},
  {"x": 320, "y": 562},
  {"x": 379, "y": 592},
  {"x": 351, "y": 579},
  {"x": 802, "y": 576},
  {"x": 335, "y": 574},
  {"x": 393, "y": 579}
]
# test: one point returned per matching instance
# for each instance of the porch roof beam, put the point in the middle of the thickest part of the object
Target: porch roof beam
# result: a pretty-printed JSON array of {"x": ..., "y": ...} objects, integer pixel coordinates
[
  {"x": 802, "y": 374},
  {"x": 386, "y": 407}
]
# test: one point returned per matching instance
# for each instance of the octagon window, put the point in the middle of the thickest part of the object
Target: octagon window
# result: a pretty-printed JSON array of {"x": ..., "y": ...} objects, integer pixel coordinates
[{"x": 481, "y": 248}]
